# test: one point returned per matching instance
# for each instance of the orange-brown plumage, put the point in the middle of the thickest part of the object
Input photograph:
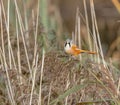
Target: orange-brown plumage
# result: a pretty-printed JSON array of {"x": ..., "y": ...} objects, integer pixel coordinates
[
  {"x": 74, "y": 50},
  {"x": 77, "y": 51}
]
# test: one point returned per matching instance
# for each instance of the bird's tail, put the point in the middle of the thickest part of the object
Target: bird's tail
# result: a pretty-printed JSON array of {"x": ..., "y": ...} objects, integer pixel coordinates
[{"x": 89, "y": 52}]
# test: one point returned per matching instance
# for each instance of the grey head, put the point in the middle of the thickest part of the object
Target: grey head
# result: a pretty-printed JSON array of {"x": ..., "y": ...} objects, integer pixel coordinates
[{"x": 68, "y": 44}]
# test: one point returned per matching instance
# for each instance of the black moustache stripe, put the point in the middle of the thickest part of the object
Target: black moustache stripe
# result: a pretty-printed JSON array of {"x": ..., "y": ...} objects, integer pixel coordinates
[{"x": 67, "y": 43}]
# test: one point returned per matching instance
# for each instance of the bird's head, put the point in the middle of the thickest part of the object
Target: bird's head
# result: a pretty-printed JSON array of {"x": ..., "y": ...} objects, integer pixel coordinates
[{"x": 68, "y": 44}]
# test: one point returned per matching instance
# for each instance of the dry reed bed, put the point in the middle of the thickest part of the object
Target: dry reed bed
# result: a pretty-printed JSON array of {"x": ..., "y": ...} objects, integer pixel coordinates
[{"x": 30, "y": 74}]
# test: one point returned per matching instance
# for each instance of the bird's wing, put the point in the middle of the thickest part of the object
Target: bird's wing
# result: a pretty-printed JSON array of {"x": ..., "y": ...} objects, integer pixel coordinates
[{"x": 74, "y": 47}]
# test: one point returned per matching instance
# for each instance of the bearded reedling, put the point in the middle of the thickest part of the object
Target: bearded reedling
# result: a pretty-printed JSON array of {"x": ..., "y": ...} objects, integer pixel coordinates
[{"x": 72, "y": 49}]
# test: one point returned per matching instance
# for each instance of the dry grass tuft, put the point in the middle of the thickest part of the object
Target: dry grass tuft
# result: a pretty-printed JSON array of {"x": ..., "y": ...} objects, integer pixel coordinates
[{"x": 33, "y": 71}]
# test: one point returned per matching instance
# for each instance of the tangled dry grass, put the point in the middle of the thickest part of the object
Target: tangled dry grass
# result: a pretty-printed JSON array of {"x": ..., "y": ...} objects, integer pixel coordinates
[
  {"x": 59, "y": 75},
  {"x": 30, "y": 73}
]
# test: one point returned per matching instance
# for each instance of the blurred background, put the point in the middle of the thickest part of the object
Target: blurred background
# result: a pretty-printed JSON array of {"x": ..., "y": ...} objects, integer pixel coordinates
[
  {"x": 57, "y": 20},
  {"x": 63, "y": 14},
  {"x": 32, "y": 36}
]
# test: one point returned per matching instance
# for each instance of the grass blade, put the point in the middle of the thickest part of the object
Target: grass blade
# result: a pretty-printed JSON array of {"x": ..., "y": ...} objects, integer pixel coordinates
[{"x": 68, "y": 92}]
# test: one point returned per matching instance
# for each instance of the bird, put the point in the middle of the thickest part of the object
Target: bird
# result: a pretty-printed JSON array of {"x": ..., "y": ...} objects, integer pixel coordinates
[{"x": 72, "y": 49}]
